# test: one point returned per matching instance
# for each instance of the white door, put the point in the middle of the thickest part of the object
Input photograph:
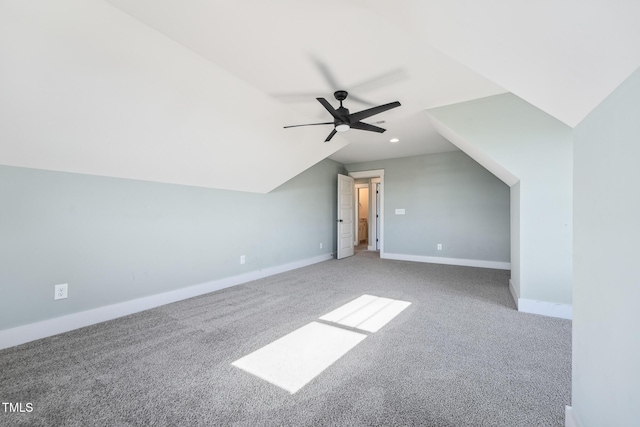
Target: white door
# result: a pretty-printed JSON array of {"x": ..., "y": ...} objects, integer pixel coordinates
[{"x": 345, "y": 216}]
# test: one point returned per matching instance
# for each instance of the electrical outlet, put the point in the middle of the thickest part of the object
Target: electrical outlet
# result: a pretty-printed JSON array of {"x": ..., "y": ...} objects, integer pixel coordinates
[
  {"x": 439, "y": 246},
  {"x": 320, "y": 245},
  {"x": 60, "y": 291},
  {"x": 242, "y": 260}
]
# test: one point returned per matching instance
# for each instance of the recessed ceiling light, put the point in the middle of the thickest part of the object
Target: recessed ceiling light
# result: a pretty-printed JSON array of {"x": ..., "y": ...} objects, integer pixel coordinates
[{"x": 394, "y": 140}]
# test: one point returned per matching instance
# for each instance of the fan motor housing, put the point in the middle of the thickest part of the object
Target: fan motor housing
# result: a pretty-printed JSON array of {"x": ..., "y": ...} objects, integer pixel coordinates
[{"x": 341, "y": 95}]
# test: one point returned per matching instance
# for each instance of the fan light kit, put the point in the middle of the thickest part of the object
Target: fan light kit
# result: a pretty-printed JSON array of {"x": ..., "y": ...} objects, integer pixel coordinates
[{"x": 343, "y": 121}]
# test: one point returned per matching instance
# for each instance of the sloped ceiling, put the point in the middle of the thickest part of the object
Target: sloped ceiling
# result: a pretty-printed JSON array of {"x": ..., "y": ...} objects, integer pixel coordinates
[
  {"x": 297, "y": 51},
  {"x": 197, "y": 92},
  {"x": 88, "y": 89},
  {"x": 564, "y": 56}
]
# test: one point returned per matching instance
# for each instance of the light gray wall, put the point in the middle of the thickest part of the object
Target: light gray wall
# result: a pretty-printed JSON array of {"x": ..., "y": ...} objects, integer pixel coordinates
[
  {"x": 606, "y": 292},
  {"x": 520, "y": 143},
  {"x": 450, "y": 199},
  {"x": 114, "y": 239}
]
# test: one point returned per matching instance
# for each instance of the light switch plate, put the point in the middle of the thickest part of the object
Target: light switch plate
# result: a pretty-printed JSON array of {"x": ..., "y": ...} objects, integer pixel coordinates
[{"x": 399, "y": 211}]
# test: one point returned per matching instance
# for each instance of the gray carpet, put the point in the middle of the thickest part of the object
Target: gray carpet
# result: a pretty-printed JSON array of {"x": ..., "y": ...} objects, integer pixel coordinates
[{"x": 459, "y": 355}]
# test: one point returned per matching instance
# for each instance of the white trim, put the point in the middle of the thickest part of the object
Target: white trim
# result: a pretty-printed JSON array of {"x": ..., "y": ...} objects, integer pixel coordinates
[
  {"x": 371, "y": 248},
  {"x": 367, "y": 174},
  {"x": 514, "y": 294},
  {"x": 46, "y": 328},
  {"x": 377, "y": 220},
  {"x": 376, "y": 173},
  {"x": 545, "y": 308},
  {"x": 449, "y": 261},
  {"x": 570, "y": 417}
]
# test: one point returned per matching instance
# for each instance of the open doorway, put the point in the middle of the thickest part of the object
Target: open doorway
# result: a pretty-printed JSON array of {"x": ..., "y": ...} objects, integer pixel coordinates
[
  {"x": 363, "y": 200},
  {"x": 369, "y": 210}
]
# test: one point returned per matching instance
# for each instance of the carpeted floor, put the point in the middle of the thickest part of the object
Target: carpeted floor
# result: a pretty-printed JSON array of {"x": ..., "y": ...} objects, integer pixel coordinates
[{"x": 459, "y": 355}]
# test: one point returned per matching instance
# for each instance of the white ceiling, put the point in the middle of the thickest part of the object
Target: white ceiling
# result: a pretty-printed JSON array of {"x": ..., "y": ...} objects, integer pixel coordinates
[
  {"x": 563, "y": 56},
  {"x": 296, "y": 48},
  {"x": 197, "y": 92},
  {"x": 87, "y": 89}
]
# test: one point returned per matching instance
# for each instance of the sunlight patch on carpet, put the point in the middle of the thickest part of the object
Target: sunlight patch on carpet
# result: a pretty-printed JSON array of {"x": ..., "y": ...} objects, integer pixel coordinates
[
  {"x": 368, "y": 313},
  {"x": 295, "y": 359}
]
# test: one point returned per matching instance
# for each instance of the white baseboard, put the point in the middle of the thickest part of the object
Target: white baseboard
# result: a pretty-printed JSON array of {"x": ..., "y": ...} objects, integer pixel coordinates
[
  {"x": 514, "y": 294},
  {"x": 449, "y": 261},
  {"x": 544, "y": 308},
  {"x": 46, "y": 328},
  {"x": 371, "y": 248},
  {"x": 570, "y": 418}
]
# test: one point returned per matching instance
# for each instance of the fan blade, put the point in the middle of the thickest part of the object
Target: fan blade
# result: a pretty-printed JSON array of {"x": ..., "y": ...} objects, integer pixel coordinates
[
  {"x": 326, "y": 73},
  {"x": 362, "y": 101},
  {"x": 333, "y": 132},
  {"x": 296, "y": 97},
  {"x": 329, "y": 108},
  {"x": 366, "y": 126},
  {"x": 310, "y": 124},
  {"x": 385, "y": 79},
  {"x": 390, "y": 77},
  {"x": 376, "y": 82},
  {"x": 356, "y": 117}
]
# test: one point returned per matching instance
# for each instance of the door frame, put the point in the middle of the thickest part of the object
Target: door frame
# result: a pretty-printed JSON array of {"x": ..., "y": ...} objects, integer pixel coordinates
[
  {"x": 376, "y": 173},
  {"x": 375, "y": 203}
]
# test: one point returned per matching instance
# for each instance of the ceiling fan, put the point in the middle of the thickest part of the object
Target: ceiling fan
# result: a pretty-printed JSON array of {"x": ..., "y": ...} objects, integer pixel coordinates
[{"x": 343, "y": 121}]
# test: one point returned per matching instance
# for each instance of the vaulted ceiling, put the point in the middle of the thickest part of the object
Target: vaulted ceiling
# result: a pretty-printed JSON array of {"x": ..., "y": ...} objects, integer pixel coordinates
[{"x": 198, "y": 92}]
